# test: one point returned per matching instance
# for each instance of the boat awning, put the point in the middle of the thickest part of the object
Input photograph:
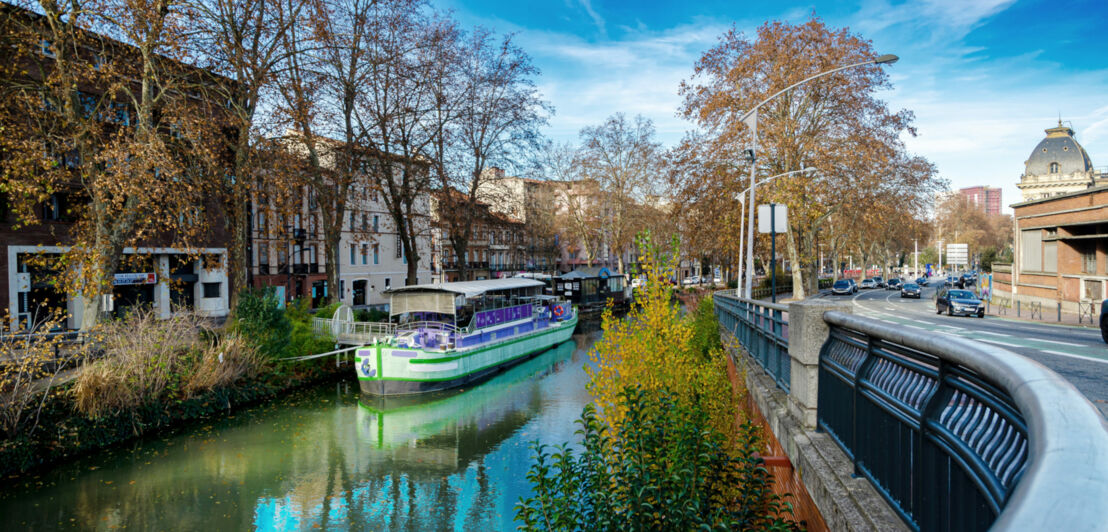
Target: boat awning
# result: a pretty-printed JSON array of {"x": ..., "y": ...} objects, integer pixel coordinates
[
  {"x": 440, "y": 297},
  {"x": 469, "y": 288}
]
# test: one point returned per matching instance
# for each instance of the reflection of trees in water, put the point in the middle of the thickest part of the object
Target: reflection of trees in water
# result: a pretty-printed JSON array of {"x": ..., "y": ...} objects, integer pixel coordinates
[{"x": 294, "y": 464}]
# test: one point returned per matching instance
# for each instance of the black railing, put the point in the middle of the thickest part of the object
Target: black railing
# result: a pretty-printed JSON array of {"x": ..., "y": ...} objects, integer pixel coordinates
[{"x": 763, "y": 331}]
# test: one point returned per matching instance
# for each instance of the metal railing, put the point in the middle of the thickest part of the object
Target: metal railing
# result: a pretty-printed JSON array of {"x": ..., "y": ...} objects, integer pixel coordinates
[
  {"x": 953, "y": 433},
  {"x": 761, "y": 328},
  {"x": 354, "y": 332},
  {"x": 1085, "y": 309},
  {"x": 960, "y": 435}
]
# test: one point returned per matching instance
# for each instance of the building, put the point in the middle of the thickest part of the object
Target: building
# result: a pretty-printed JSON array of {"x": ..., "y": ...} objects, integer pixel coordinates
[
  {"x": 151, "y": 273},
  {"x": 287, "y": 248},
  {"x": 499, "y": 247},
  {"x": 1058, "y": 165},
  {"x": 988, "y": 199},
  {"x": 1061, "y": 250}
]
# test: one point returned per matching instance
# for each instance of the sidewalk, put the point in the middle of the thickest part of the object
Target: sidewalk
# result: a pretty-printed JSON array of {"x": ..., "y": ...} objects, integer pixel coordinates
[{"x": 1050, "y": 316}]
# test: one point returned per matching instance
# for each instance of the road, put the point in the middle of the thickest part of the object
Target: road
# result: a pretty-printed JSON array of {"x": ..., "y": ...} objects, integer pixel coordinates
[{"x": 1078, "y": 354}]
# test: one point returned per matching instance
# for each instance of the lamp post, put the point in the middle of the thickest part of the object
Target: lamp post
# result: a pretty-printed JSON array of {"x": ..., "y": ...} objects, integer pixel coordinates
[
  {"x": 751, "y": 121},
  {"x": 742, "y": 213}
]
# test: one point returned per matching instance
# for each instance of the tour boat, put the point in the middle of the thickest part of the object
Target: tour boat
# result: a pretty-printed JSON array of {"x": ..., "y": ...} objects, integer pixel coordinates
[{"x": 444, "y": 335}]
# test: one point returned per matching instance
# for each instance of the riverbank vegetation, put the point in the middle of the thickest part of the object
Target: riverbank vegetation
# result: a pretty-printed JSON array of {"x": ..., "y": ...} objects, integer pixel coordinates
[
  {"x": 61, "y": 396},
  {"x": 663, "y": 447}
]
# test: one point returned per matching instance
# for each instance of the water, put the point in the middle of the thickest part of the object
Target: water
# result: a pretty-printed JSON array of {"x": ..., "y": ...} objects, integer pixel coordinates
[{"x": 326, "y": 458}]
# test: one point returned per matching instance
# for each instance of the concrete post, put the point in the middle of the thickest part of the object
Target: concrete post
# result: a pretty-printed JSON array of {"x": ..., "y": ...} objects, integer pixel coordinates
[{"x": 807, "y": 332}]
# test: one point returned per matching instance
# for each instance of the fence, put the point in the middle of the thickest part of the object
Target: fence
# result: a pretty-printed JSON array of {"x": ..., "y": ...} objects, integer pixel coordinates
[
  {"x": 954, "y": 434},
  {"x": 763, "y": 331}
]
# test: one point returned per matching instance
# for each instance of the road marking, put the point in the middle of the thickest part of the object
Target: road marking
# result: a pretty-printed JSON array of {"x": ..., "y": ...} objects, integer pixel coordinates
[
  {"x": 1055, "y": 342},
  {"x": 952, "y": 327},
  {"x": 1071, "y": 355},
  {"x": 995, "y": 334},
  {"x": 998, "y": 343},
  {"x": 927, "y": 322}
]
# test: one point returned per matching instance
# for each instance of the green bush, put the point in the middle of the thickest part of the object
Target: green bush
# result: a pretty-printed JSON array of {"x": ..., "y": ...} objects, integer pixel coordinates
[
  {"x": 258, "y": 318},
  {"x": 303, "y": 340},
  {"x": 328, "y": 311},
  {"x": 705, "y": 329},
  {"x": 371, "y": 315},
  {"x": 664, "y": 468}
]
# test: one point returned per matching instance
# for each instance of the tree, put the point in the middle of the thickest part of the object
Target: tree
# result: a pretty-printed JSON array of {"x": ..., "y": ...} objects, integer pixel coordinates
[
  {"x": 834, "y": 123},
  {"x": 496, "y": 123},
  {"x": 106, "y": 88},
  {"x": 625, "y": 161}
]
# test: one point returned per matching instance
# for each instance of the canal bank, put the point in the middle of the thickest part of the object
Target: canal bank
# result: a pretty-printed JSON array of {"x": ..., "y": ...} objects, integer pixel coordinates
[{"x": 327, "y": 456}]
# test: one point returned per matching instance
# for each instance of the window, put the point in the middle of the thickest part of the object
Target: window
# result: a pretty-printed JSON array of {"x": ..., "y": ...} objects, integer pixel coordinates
[
  {"x": 376, "y": 223},
  {"x": 365, "y": 254},
  {"x": 388, "y": 283},
  {"x": 365, "y": 222},
  {"x": 1088, "y": 261},
  {"x": 376, "y": 258},
  {"x": 51, "y": 209},
  {"x": 399, "y": 247},
  {"x": 263, "y": 254},
  {"x": 47, "y": 48},
  {"x": 211, "y": 290},
  {"x": 353, "y": 224},
  {"x": 1054, "y": 168},
  {"x": 342, "y": 287},
  {"x": 351, "y": 254}
]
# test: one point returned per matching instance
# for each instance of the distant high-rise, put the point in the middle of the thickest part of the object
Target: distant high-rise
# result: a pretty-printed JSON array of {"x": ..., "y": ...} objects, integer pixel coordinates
[{"x": 985, "y": 198}]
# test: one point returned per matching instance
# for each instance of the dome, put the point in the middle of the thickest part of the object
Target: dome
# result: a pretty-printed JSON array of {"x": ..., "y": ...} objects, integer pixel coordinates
[{"x": 1059, "y": 147}]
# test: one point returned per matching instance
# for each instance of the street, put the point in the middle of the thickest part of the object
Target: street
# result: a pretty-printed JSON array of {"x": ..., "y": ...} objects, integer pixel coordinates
[{"x": 1078, "y": 354}]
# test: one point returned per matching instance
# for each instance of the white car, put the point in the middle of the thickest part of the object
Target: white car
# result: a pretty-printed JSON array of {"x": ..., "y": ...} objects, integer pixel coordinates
[
  {"x": 638, "y": 282},
  {"x": 691, "y": 280},
  {"x": 868, "y": 283}
]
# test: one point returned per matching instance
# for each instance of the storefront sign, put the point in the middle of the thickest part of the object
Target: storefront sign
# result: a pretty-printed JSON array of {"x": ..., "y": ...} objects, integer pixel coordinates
[
  {"x": 135, "y": 278},
  {"x": 502, "y": 315}
]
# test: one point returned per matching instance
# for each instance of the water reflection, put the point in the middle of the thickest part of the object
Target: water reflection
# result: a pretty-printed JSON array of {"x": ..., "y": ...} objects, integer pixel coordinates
[{"x": 327, "y": 458}]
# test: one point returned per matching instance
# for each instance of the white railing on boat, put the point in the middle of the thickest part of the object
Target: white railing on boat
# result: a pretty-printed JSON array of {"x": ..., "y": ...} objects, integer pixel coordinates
[{"x": 354, "y": 332}]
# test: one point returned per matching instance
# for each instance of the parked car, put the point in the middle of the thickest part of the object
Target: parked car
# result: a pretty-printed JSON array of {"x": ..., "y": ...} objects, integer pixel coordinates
[
  {"x": 893, "y": 284},
  {"x": 910, "y": 290},
  {"x": 951, "y": 282},
  {"x": 967, "y": 280},
  {"x": 878, "y": 282},
  {"x": 954, "y": 301},
  {"x": 869, "y": 283},
  {"x": 689, "y": 281},
  {"x": 922, "y": 281},
  {"x": 843, "y": 287},
  {"x": 717, "y": 281},
  {"x": 638, "y": 282},
  {"x": 1104, "y": 320}
]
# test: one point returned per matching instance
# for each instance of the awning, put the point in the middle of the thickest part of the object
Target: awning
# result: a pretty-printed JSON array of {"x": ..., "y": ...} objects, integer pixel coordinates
[{"x": 470, "y": 288}]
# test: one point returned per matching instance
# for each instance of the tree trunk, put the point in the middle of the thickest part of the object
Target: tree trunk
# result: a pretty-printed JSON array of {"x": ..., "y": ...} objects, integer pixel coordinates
[{"x": 794, "y": 257}]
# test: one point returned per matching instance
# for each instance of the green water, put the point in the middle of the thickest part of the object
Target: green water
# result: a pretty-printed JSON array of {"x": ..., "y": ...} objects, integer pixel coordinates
[{"x": 326, "y": 458}]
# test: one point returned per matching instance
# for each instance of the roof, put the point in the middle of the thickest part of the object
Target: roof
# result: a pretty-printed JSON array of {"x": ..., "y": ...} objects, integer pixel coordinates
[
  {"x": 1060, "y": 147},
  {"x": 1090, "y": 190},
  {"x": 470, "y": 288},
  {"x": 591, "y": 271}
]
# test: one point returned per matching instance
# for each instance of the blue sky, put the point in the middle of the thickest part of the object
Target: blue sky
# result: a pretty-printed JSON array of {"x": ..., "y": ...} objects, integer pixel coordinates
[{"x": 984, "y": 77}]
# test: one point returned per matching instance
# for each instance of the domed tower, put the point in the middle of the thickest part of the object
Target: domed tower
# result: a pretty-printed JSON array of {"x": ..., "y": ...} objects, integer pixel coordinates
[{"x": 1057, "y": 165}]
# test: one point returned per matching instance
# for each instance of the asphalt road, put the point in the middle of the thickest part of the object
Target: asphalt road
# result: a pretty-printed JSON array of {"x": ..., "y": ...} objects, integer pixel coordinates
[{"x": 1078, "y": 354}]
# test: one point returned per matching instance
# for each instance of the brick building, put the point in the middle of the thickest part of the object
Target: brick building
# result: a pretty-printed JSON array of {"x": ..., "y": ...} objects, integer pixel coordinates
[
  {"x": 988, "y": 199},
  {"x": 1061, "y": 250}
]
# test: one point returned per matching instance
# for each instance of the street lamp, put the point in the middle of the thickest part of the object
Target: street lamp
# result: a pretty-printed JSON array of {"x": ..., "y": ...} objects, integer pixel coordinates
[
  {"x": 742, "y": 213},
  {"x": 751, "y": 121}
]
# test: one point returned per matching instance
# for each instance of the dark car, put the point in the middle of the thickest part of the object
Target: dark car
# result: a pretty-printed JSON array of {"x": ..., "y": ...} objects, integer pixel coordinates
[
  {"x": 893, "y": 284},
  {"x": 843, "y": 287},
  {"x": 955, "y": 301},
  {"x": 910, "y": 290},
  {"x": 922, "y": 281},
  {"x": 966, "y": 280},
  {"x": 951, "y": 282},
  {"x": 1104, "y": 320},
  {"x": 879, "y": 282}
]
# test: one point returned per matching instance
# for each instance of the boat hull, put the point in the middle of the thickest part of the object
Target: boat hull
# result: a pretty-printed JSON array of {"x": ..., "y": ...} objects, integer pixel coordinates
[{"x": 387, "y": 370}]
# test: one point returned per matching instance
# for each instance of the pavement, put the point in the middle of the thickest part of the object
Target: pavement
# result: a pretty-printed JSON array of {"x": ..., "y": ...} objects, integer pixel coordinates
[{"x": 1077, "y": 353}]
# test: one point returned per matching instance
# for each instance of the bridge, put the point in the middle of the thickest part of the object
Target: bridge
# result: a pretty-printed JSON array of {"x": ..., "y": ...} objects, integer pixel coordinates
[{"x": 895, "y": 427}]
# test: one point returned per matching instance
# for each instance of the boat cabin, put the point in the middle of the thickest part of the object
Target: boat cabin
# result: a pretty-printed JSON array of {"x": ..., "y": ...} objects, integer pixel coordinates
[
  {"x": 590, "y": 287},
  {"x": 469, "y": 305}
]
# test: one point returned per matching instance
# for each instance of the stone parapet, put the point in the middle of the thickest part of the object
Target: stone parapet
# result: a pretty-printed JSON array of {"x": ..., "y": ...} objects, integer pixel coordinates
[{"x": 807, "y": 332}]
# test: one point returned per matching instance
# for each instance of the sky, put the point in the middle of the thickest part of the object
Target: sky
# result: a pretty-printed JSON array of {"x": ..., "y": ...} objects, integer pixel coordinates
[{"x": 983, "y": 77}]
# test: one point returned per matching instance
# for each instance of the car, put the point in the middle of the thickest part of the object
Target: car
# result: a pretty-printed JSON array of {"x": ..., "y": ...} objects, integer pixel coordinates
[
  {"x": 922, "y": 281},
  {"x": 843, "y": 287},
  {"x": 878, "y": 282},
  {"x": 638, "y": 282},
  {"x": 868, "y": 283},
  {"x": 717, "y": 280},
  {"x": 967, "y": 280},
  {"x": 950, "y": 282},
  {"x": 893, "y": 284},
  {"x": 1104, "y": 320},
  {"x": 910, "y": 290},
  {"x": 954, "y": 301},
  {"x": 689, "y": 281}
]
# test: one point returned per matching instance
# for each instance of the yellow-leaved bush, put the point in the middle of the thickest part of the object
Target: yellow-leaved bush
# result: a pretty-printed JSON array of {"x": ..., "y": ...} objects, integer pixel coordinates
[{"x": 653, "y": 348}]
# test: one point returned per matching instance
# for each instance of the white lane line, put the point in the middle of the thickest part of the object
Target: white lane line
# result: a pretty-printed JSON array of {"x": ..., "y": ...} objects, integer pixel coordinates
[
  {"x": 994, "y": 334},
  {"x": 1055, "y": 342},
  {"x": 998, "y": 343},
  {"x": 1071, "y": 355},
  {"x": 953, "y": 327},
  {"x": 927, "y": 322}
]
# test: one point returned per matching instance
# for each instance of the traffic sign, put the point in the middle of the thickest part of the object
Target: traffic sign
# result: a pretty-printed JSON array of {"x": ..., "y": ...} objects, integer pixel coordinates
[{"x": 957, "y": 254}]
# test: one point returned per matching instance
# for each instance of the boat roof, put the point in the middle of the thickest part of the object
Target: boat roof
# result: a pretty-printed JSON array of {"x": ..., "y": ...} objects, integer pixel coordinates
[{"x": 470, "y": 288}]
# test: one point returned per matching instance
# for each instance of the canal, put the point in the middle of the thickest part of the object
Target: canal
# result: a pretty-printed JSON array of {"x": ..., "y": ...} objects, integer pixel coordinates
[{"x": 326, "y": 457}]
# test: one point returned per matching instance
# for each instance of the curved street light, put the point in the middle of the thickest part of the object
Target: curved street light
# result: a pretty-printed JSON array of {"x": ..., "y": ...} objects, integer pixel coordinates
[{"x": 750, "y": 118}]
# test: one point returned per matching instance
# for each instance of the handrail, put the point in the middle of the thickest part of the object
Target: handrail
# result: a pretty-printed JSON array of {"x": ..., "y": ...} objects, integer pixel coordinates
[
  {"x": 762, "y": 330},
  {"x": 1066, "y": 463}
]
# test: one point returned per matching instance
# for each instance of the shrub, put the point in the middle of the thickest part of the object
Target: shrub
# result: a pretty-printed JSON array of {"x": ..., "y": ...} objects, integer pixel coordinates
[
  {"x": 664, "y": 468},
  {"x": 705, "y": 329},
  {"x": 233, "y": 358},
  {"x": 259, "y": 319},
  {"x": 371, "y": 315},
  {"x": 327, "y": 312},
  {"x": 144, "y": 359},
  {"x": 303, "y": 340}
]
